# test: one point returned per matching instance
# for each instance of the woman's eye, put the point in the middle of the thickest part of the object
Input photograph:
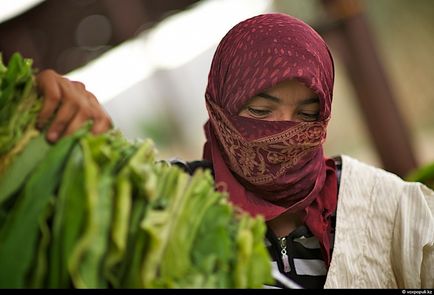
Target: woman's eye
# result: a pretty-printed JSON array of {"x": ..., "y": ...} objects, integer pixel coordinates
[
  {"x": 309, "y": 117},
  {"x": 258, "y": 112}
]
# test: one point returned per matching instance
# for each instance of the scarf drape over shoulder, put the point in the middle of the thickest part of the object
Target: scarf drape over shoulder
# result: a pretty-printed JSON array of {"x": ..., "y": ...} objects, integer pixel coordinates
[{"x": 271, "y": 167}]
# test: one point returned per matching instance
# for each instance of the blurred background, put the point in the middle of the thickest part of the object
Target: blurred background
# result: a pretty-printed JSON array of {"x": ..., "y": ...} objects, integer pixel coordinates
[{"x": 147, "y": 61}]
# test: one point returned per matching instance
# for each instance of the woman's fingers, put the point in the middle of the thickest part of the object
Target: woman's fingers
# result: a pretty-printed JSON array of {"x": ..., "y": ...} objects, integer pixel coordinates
[
  {"x": 61, "y": 121},
  {"x": 72, "y": 105},
  {"x": 79, "y": 120},
  {"x": 68, "y": 107},
  {"x": 101, "y": 120},
  {"x": 48, "y": 85},
  {"x": 101, "y": 126}
]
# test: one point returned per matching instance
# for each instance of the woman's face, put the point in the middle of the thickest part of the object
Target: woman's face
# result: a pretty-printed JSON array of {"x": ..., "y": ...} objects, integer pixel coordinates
[{"x": 287, "y": 101}]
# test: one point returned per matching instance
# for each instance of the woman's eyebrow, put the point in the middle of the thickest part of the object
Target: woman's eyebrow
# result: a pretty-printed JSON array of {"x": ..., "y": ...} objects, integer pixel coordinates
[
  {"x": 268, "y": 96},
  {"x": 310, "y": 100}
]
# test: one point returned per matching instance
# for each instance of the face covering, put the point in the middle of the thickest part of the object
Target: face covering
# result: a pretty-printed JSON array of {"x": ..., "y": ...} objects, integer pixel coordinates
[{"x": 272, "y": 167}]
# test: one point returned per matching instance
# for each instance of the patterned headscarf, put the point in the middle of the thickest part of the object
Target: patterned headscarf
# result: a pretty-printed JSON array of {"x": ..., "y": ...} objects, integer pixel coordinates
[{"x": 271, "y": 167}]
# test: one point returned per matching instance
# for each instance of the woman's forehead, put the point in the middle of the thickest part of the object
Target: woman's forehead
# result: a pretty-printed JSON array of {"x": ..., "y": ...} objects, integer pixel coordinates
[{"x": 289, "y": 86}]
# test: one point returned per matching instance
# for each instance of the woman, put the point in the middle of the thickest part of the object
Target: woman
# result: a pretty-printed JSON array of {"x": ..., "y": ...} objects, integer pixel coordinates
[{"x": 333, "y": 223}]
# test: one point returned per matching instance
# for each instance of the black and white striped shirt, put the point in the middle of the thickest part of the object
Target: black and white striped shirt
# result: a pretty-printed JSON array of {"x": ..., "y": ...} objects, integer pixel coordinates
[{"x": 298, "y": 256}]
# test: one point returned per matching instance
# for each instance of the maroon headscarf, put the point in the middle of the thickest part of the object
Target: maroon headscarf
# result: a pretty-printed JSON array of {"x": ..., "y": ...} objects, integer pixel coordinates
[{"x": 271, "y": 167}]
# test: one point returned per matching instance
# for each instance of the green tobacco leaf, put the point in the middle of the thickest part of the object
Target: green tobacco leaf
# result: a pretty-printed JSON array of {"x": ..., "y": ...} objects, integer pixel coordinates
[
  {"x": 119, "y": 228},
  {"x": 159, "y": 220},
  {"x": 68, "y": 220},
  {"x": 39, "y": 272},
  {"x": 3, "y": 68},
  {"x": 260, "y": 266},
  {"x": 18, "y": 234},
  {"x": 244, "y": 240},
  {"x": 251, "y": 254},
  {"x": 194, "y": 200},
  {"x": 22, "y": 166},
  {"x": 129, "y": 272},
  {"x": 86, "y": 259},
  {"x": 143, "y": 183},
  {"x": 18, "y": 72},
  {"x": 214, "y": 245},
  {"x": 18, "y": 114}
]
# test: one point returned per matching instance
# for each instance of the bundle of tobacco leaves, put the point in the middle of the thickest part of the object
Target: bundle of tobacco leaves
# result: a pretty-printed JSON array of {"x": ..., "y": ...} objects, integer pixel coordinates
[{"x": 101, "y": 211}]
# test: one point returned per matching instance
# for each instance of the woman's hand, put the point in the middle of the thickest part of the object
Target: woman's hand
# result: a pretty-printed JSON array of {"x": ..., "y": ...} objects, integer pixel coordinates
[{"x": 71, "y": 104}]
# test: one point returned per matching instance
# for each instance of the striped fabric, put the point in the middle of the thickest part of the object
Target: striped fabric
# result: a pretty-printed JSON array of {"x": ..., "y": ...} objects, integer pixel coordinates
[{"x": 303, "y": 255}]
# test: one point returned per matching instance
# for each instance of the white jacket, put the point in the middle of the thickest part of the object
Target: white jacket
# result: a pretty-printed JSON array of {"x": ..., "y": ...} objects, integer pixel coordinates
[{"x": 384, "y": 231}]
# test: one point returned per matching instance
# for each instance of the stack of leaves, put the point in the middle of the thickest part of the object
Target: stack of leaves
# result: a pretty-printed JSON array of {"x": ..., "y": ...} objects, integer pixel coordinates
[{"x": 101, "y": 212}]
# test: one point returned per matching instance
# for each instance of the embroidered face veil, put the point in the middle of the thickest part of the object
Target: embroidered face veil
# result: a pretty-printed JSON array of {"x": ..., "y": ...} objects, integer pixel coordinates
[{"x": 270, "y": 167}]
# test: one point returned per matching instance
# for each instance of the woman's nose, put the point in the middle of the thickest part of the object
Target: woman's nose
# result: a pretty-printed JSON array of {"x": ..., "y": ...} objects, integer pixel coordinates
[{"x": 286, "y": 114}]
